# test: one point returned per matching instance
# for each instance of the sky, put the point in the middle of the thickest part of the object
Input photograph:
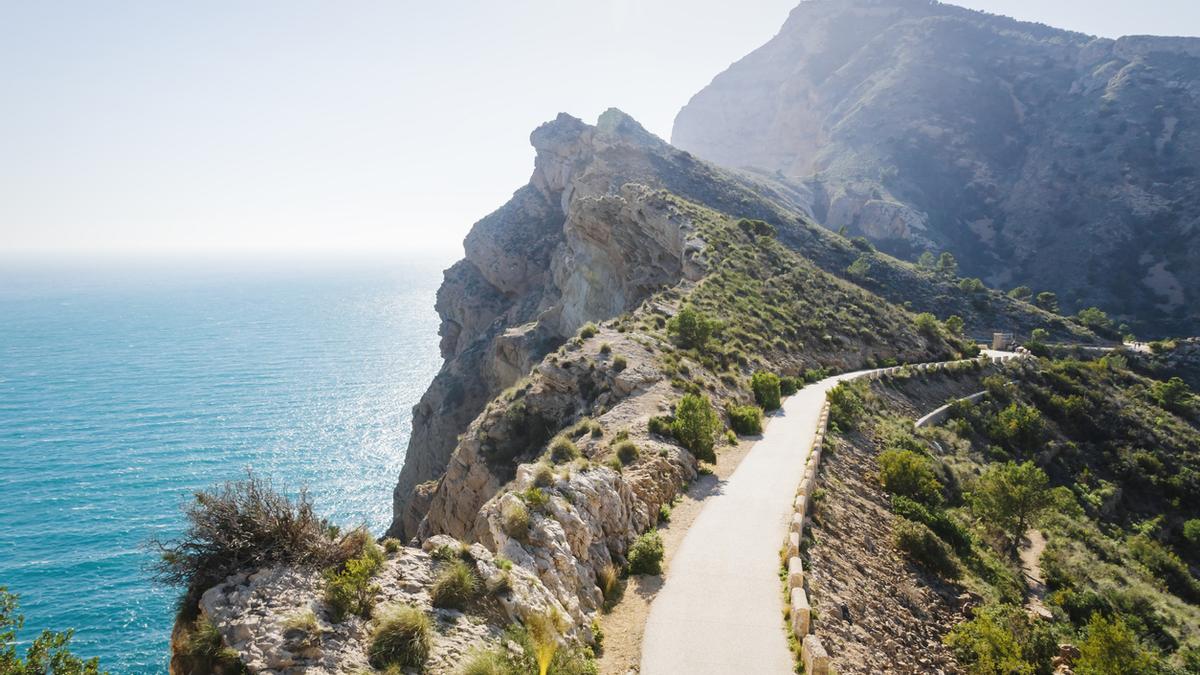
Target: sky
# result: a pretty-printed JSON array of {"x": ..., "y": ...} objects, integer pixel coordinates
[{"x": 319, "y": 127}]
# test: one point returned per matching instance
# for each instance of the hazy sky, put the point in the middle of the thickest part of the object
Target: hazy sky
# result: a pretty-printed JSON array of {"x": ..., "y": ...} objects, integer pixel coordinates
[{"x": 296, "y": 124}]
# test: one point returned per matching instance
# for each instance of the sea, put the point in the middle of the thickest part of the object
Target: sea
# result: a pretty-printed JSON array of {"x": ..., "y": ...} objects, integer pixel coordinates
[{"x": 127, "y": 385}]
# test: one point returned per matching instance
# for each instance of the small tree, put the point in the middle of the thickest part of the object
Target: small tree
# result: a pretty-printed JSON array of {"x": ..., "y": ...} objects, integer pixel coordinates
[
  {"x": 1047, "y": 301},
  {"x": 954, "y": 325},
  {"x": 971, "y": 285},
  {"x": 1172, "y": 394},
  {"x": 927, "y": 324},
  {"x": 766, "y": 390},
  {"x": 907, "y": 473},
  {"x": 49, "y": 652},
  {"x": 1010, "y": 497},
  {"x": 860, "y": 268},
  {"x": 926, "y": 261},
  {"x": 947, "y": 265},
  {"x": 1095, "y": 318},
  {"x": 695, "y": 425},
  {"x": 691, "y": 328},
  {"x": 1021, "y": 293}
]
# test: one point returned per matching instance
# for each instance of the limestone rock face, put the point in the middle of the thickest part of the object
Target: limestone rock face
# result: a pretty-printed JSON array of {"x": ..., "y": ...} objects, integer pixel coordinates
[
  {"x": 1037, "y": 156},
  {"x": 584, "y": 241}
]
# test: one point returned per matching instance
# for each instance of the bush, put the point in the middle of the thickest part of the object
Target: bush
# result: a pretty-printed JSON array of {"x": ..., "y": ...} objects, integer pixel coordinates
[
  {"x": 588, "y": 330},
  {"x": 909, "y": 474},
  {"x": 927, "y": 324},
  {"x": 1111, "y": 648},
  {"x": 1001, "y": 639},
  {"x": 789, "y": 385},
  {"x": 1172, "y": 394},
  {"x": 1165, "y": 565},
  {"x": 1191, "y": 534},
  {"x": 847, "y": 403},
  {"x": 695, "y": 425},
  {"x": 1021, "y": 293},
  {"x": 746, "y": 419},
  {"x": 455, "y": 586},
  {"x": 514, "y": 519},
  {"x": 935, "y": 519},
  {"x": 923, "y": 547},
  {"x": 562, "y": 450},
  {"x": 766, "y": 390},
  {"x": 954, "y": 325},
  {"x": 1047, "y": 301},
  {"x": 392, "y": 545},
  {"x": 660, "y": 426},
  {"x": 971, "y": 285},
  {"x": 691, "y": 328},
  {"x": 348, "y": 589},
  {"x": 860, "y": 268},
  {"x": 1019, "y": 426},
  {"x": 620, "y": 363},
  {"x": 244, "y": 525},
  {"x": 646, "y": 554},
  {"x": 401, "y": 637},
  {"x": 627, "y": 452}
]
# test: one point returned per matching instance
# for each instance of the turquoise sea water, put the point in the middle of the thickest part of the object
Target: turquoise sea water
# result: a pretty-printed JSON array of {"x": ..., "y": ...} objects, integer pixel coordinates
[{"x": 125, "y": 386}]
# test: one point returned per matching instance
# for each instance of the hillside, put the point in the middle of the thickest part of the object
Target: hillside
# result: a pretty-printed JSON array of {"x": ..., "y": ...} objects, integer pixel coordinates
[
  {"x": 581, "y": 243},
  {"x": 918, "y": 562},
  {"x": 1038, "y": 157}
]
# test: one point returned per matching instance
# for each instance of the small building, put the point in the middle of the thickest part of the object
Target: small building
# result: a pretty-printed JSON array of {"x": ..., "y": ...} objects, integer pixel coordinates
[{"x": 1002, "y": 341}]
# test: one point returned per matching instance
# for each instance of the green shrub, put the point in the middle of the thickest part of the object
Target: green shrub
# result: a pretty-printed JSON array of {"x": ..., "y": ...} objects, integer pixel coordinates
[
  {"x": 627, "y": 452},
  {"x": 646, "y": 554},
  {"x": 927, "y": 324},
  {"x": 789, "y": 385},
  {"x": 971, "y": 286},
  {"x": 1002, "y": 640},
  {"x": 746, "y": 419},
  {"x": 954, "y": 325},
  {"x": 935, "y": 519},
  {"x": 1165, "y": 565},
  {"x": 401, "y": 637},
  {"x": 455, "y": 586},
  {"x": 563, "y": 450},
  {"x": 349, "y": 590},
  {"x": 605, "y": 348},
  {"x": 1172, "y": 394},
  {"x": 1191, "y": 534},
  {"x": 1111, "y": 648},
  {"x": 1021, "y": 293},
  {"x": 766, "y": 390},
  {"x": 909, "y": 474},
  {"x": 691, "y": 328},
  {"x": 535, "y": 497},
  {"x": 860, "y": 268},
  {"x": 514, "y": 519},
  {"x": 588, "y": 330},
  {"x": 660, "y": 426},
  {"x": 695, "y": 425},
  {"x": 664, "y": 513},
  {"x": 620, "y": 363},
  {"x": 392, "y": 545},
  {"x": 923, "y": 547},
  {"x": 847, "y": 403}
]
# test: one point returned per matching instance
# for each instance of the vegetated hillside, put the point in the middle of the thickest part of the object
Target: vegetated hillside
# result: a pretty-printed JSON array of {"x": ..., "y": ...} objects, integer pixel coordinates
[
  {"x": 1099, "y": 462},
  {"x": 1037, "y": 156},
  {"x": 578, "y": 245}
]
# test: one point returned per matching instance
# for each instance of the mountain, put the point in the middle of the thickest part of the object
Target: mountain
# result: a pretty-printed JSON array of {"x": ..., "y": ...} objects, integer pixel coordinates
[
  {"x": 1038, "y": 157},
  {"x": 589, "y": 239}
]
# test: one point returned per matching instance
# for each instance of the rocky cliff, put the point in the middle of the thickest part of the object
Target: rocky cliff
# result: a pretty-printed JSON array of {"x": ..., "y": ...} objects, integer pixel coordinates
[
  {"x": 589, "y": 239},
  {"x": 1037, "y": 156}
]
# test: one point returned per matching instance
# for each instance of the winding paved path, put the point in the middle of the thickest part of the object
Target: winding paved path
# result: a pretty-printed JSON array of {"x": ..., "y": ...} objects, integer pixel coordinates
[{"x": 720, "y": 608}]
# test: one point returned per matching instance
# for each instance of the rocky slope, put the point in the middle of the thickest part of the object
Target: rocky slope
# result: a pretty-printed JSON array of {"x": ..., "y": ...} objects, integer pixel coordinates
[
  {"x": 587, "y": 240},
  {"x": 1037, "y": 156}
]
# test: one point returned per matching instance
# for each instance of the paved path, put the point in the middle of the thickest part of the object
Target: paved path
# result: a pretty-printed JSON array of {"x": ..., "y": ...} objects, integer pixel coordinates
[{"x": 720, "y": 610}]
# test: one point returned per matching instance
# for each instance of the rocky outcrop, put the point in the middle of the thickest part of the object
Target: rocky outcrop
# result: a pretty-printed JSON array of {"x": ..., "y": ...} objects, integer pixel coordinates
[
  {"x": 1037, "y": 156},
  {"x": 584, "y": 241}
]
